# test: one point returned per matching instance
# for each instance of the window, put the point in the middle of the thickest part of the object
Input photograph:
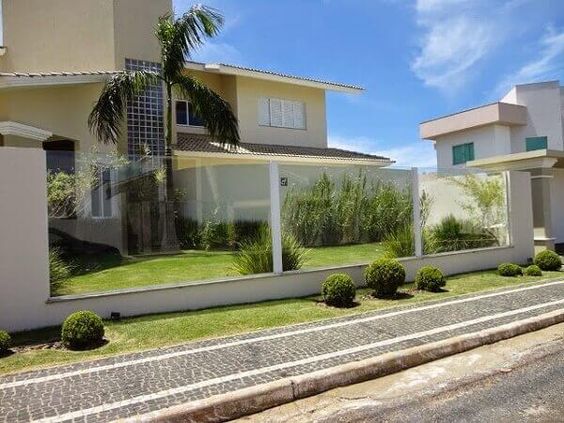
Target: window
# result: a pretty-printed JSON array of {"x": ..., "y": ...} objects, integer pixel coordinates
[
  {"x": 535, "y": 143},
  {"x": 185, "y": 114},
  {"x": 462, "y": 153},
  {"x": 101, "y": 195},
  {"x": 145, "y": 123},
  {"x": 281, "y": 113}
]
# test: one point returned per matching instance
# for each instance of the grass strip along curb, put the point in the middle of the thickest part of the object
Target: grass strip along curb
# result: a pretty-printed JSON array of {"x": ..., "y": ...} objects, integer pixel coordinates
[{"x": 258, "y": 398}]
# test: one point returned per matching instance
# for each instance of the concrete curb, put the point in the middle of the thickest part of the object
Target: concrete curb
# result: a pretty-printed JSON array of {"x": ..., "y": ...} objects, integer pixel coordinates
[{"x": 252, "y": 400}]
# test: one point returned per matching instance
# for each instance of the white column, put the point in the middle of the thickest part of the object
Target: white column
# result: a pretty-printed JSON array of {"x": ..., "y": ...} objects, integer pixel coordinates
[
  {"x": 275, "y": 225},
  {"x": 416, "y": 212}
]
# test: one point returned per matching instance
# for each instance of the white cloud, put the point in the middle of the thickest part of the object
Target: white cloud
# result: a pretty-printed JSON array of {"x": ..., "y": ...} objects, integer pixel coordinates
[
  {"x": 212, "y": 52},
  {"x": 548, "y": 64},
  {"x": 457, "y": 34},
  {"x": 415, "y": 154}
]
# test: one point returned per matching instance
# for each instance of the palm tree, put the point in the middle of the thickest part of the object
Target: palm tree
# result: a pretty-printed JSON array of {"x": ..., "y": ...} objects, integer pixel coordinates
[{"x": 178, "y": 39}]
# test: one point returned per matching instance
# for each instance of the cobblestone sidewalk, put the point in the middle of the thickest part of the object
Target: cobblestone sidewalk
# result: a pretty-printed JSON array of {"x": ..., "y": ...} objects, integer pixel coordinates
[{"x": 135, "y": 384}]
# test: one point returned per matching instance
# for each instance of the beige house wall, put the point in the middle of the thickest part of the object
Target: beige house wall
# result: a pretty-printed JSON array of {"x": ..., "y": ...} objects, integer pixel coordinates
[
  {"x": 134, "y": 26},
  {"x": 79, "y": 35},
  {"x": 57, "y": 31},
  {"x": 248, "y": 93},
  {"x": 244, "y": 93},
  {"x": 61, "y": 110}
]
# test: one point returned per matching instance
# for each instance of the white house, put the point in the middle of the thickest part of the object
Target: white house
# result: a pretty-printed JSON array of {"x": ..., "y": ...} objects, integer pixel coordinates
[{"x": 523, "y": 131}]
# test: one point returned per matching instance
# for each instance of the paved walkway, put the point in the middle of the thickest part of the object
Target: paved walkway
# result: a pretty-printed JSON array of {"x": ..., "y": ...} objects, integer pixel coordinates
[{"x": 135, "y": 384}]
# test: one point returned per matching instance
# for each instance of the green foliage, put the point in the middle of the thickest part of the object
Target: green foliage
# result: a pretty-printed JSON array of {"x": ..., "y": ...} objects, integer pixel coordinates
[
  {"x": 384, "y": 276},
  {"x": 215, "y": 234},
  {"x": 188, "y": 233},
  {"x": 548, "y": 260},
  {"x": 509, "y": 269},
  {"x": 429, "y": 278},
  {"x": 338, "y": 290},
  {"x": 452, "y": 234},
  {"x": 400, "y": 243},
  {"x": 255, "y": 255},
  {"x": 5, "y": 341},
  {"x": 485, "y": 202},
  {"x": 82, "y": 329},
  {"x": 350, "y": 211},
  {"x": 59, "y": 269},
  {"x": 532, "y": 270}
]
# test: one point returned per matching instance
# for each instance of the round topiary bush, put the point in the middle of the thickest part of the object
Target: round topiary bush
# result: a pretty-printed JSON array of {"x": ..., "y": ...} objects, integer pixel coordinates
[
  {"x": 509, "y": 269},
  {"x": 338, "y": 290},
  {"x": 384, "y": 276},
  {"x": 82, "y": 329},
  {"x": 548, "y": 260},
  {"x": 429, "y": 278},
  {"x": 532, "y": 270},
  {"x": 5, "y": 341}
]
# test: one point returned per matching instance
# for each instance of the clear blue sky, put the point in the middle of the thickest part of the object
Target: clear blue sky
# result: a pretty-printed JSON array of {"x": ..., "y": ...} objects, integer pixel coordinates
[{"x": 417, "y": 59}]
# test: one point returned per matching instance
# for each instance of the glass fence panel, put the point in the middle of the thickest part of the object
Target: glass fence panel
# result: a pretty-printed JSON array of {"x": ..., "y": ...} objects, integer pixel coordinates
[
  {"x": 340, "y": 215},
  {"x": 462, "y": 210},
  {"x": 120, "y": 222}
]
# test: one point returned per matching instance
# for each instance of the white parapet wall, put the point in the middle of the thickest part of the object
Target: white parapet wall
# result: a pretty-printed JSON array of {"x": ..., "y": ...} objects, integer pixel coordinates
[{"x": 24, "y": 274}]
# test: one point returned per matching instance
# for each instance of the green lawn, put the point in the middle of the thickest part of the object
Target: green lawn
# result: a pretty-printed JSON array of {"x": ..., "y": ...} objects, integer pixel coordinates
[
  {"x": 154, "y": 331},
  {"x": 193, "y": 266}
]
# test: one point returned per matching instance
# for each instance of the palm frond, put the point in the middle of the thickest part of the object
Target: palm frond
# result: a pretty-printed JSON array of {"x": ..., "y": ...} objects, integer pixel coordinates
[
  {"x": 106, "y": 117},
  {"x": 211, "y": 108},
  {"x": 180, "y": 37}
]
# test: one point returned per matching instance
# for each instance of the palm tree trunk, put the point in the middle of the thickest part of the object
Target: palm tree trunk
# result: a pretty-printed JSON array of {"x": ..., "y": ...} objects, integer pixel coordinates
[{"x": 169, "y": 241}]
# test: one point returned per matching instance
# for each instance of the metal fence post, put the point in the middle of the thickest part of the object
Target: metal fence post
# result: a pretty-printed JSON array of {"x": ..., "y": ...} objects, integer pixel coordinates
[
  {"x": 275, "y": 225},
  {"x": 416, "y": 212}
]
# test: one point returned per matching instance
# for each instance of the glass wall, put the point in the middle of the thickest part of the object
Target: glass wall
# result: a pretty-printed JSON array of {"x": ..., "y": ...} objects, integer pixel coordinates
[
  {"x": 462, "y": 209},
  {"x": 131, "y": 221},
  {"x": 118, "y": 222},
  {"x": 346, "y": 214}
]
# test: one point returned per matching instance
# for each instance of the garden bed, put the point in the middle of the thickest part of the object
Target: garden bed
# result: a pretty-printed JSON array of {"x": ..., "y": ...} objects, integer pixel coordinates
[{"x": 40, "y": 347}]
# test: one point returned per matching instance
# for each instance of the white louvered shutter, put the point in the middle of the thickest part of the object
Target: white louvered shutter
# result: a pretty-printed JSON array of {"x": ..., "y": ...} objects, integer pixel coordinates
[
  {"x": 287, "y": 114},
  {"x": 264, "y": 111},
  {"x": 298, "y": 111},
  {"x": 275, "y": 112}
]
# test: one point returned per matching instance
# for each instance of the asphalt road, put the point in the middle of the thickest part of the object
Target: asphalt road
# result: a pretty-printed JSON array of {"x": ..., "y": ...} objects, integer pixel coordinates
[
  {"x": 518, "y": 380},
  {"x": 531, "y": 393}
]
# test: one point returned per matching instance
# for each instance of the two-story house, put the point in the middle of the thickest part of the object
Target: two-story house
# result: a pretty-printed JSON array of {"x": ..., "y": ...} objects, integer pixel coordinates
[
  {"x": 57, "y": 54},
  {"x": 523, "y": 131}
]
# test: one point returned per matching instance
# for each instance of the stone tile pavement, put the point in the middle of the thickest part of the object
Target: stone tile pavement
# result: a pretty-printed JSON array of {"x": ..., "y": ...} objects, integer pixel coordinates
[{"x": 139, "y": 383}]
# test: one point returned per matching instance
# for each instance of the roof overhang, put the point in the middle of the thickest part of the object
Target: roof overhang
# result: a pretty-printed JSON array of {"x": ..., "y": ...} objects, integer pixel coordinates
[
  {"x": 17, "y": 80},
  {"x": 226, "y": 69},
  {"x": 24, "y": 131},
  {"x": 496, "y": 113},
  {"x": 521, "y": 161},
  {"x": 284, "y": 158}
]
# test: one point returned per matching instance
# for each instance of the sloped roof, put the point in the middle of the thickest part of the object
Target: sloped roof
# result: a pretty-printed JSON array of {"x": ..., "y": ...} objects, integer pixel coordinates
[
  {"x": 229, "y": 69},
  {"x": 206, "y": 144},
  {"x": 23, "y": 79}
]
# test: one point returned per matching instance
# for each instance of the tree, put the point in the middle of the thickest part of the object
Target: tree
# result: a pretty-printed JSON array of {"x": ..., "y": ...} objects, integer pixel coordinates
[{"x": 178, "y": 39}]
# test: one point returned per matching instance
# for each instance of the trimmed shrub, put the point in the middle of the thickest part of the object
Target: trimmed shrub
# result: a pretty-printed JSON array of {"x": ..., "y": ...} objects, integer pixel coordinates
[
  {"x": 384, "y": 276},
  {"x": 548, "y": 260},
  {"x": 338, "y": 290},
  {"x": 82, "y": 329},
  {"x": 429, "y": 278},
  {"x": 533, "y": 270},
  {"x": 509, "y": 269},
  {"x": 255, "y": 255},
  {"x": 5, "y": 342}
]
